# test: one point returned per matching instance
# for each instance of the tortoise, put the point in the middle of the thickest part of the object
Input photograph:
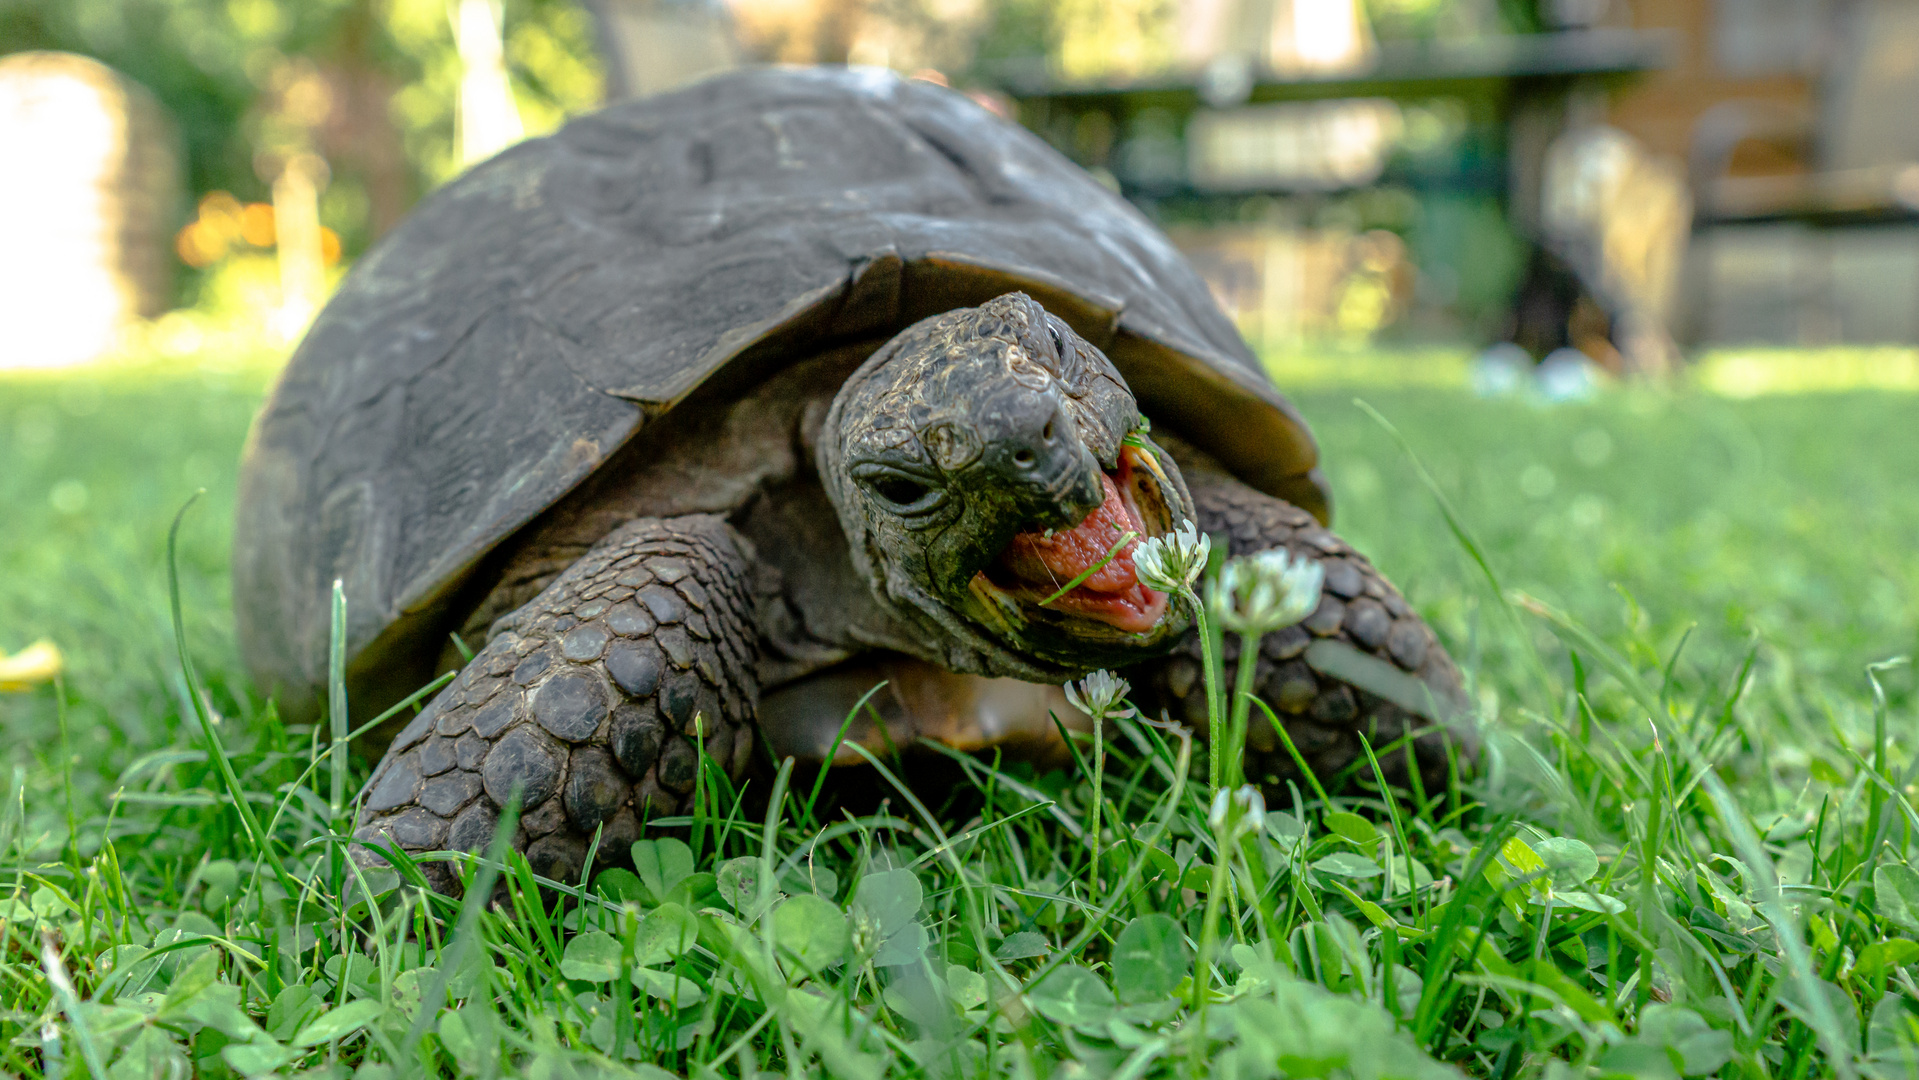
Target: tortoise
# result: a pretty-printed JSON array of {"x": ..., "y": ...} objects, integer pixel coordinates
[{"x": 696, "y": 419}]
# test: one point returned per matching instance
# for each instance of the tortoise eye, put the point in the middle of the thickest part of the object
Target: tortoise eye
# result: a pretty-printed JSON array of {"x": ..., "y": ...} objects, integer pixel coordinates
[
  {"x": 900, "y": 491},
  {"x": 903, "y": 492},
  {"x": 1059, "y": 344}
]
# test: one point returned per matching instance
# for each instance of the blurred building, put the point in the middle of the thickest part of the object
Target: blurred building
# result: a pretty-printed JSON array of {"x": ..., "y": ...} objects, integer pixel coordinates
[
  {"x": 1609, "y": 175},
  {"x": 1366, "y": 171},
  {"x": 1795, "y": 119},
  {"x": 655, "y": 45},
  {"x": 88, "y": 203}
]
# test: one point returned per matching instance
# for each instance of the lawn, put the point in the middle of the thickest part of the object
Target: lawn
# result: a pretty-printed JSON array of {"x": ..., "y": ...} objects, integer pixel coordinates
[{"x": 1685, "y": 854}]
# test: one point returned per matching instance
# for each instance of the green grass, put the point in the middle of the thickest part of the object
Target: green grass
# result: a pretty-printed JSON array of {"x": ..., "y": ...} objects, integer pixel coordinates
[{"x": 1687, "y": 852}]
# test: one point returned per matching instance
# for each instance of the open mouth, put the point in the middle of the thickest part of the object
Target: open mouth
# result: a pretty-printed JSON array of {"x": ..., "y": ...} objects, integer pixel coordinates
[{"x": 1086, "y": 572}]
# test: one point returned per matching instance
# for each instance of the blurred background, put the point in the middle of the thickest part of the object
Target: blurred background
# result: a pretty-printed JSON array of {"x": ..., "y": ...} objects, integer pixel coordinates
[{"x": 1434, "y": 191}]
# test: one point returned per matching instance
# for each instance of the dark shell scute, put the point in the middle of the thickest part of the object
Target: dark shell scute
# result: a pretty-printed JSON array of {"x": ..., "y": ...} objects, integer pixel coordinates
[
  {"x": 629, "y": 620},
  {"x": 571, "y": 706},
  {"x": 524, "y": 759},
  {"x": 473, "y": 829},
  {"x": 1407, "y": 642},
  {"x": 1286, "y": 643},
  {"x": 436, "y": 756},
  {"x": 1367, "y": 621},
  {"x": 558, "y": 857},
  {"x": 664, "y": 603},
  {"x": 1325, "y": 619},
  {"x": 584, "y": 642},
  {"x": 678, "y": 648},
  {"x": 416, "y": 829},
  {"x": 679, "y": 762},
  {"x": 1335, "y": 707},
  {"x": 1343, "y": 578},
  {"x": 595, "y": 788},
  {"x": 677, "y": 697},
  {"x": 397, "y": 785},
  {"x": 636, "y": 667},
  {"x": 496, "y": 716},
  {"x": 419, "y": 728},
  {"x": 445, "y": 795},
  {"x": 693, "y": 592},
  {"x": 706, "y": 709},
  {"x": 544, "y": 818},
  {"x": 635, "y": 736},
  {"x": 532, "y": 668},
  {"x": 470, "y": 752}
]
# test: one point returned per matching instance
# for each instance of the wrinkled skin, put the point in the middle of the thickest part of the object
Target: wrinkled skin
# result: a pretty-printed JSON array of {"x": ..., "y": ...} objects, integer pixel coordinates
[{"x": 986, "y": 457}]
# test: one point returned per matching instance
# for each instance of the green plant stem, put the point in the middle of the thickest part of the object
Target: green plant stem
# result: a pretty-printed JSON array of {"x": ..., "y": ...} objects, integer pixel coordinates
[
  {"x": 1099, "y": 793},
  {"x": 1209, "y": 930},
  {"x": 1111, "y": 554},
  {"x": 1209, "y": 660},
  {"x": 1235, "y": 753},
  {"x": 216, "y": 749},
  {"x": 337, "y": 720}
]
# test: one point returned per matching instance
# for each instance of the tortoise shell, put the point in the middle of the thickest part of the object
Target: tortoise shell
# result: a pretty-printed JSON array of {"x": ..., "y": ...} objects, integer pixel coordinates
[{"x": 532, "y": 316}]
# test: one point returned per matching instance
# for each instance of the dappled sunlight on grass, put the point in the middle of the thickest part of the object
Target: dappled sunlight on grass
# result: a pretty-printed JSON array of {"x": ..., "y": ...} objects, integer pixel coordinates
[
  {"x": 1751, "y": 372},
  {"x": 1728, "y": 372}
]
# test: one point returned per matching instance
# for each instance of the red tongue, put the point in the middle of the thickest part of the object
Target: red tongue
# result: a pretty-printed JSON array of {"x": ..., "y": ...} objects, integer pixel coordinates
[
  {"x": 1040, "y": 560},
  {"x": 1112, "y": 594}
]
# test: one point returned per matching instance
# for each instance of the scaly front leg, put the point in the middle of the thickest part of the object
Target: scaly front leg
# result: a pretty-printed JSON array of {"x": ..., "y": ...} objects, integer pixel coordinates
[
  {"x": 587, "y": 701},
  {"x": 1363, "y": 662}
]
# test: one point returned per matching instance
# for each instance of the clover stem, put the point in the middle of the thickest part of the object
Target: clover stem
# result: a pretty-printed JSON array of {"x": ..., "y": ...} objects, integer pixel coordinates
[
  {"x": 1215, "y": 708},
  {"x": 1241, "y": 708},
  {"x": 1209, "y": 931},
  {"x": 1099, "y": 791}
]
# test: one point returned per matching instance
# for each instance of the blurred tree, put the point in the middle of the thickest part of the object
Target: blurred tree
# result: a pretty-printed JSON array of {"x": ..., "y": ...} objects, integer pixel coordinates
[{"x": 370, "y": 86}]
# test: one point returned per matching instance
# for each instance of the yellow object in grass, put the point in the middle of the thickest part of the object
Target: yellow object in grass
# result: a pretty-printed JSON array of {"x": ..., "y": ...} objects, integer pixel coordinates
[{"x": 38, "y": 663}]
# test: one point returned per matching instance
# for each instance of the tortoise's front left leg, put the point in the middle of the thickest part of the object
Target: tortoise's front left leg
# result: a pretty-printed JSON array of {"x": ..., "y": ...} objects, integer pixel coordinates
[
  {"x": 1362, "y": 663},
  {"x": 588, "y": 701}
]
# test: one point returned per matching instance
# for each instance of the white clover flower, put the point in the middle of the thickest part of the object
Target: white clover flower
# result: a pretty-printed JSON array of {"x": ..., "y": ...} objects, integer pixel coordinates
[
  {"x": 1216, "y": 814},
  {"x": 1251, "y": 815},
  {"x": 1252, "y": 807},
  {"x": 1098, "y": 695},
  {"x": 1258, "y": 594},
  {"x": 1170, "y": 563}
]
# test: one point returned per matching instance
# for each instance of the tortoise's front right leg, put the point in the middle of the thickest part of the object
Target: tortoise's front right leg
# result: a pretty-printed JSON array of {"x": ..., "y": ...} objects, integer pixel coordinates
[{"x": 588, "y": 701}]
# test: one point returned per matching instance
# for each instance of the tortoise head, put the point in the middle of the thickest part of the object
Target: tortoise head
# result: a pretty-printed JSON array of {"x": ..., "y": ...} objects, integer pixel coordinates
[{"x": 993, "y": 475}]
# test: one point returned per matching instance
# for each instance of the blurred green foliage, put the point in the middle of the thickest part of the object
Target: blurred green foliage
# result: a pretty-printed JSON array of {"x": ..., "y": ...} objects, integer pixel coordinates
[{"x": 388, "y": 72}]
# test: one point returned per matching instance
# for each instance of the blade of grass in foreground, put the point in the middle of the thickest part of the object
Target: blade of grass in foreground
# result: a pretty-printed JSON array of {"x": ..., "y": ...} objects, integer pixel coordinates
[
  {"x": 197, "y": 696},
  {"x": 479, "y": 893},
  {"x": 337, "y": 721},
  {"x": 336, "y": 699},
  {"x": 1824, "y": 1022}
]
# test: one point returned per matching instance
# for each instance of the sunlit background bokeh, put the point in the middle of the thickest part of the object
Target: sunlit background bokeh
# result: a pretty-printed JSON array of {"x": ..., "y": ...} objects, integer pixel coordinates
[{"x": 1431, "y": 192}]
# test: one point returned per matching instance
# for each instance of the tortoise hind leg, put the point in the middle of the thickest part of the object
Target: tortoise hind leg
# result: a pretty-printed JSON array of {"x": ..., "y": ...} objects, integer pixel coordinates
[
  {"x": 1363, "y": 662},
  {"x": 588, "y": 701}
]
